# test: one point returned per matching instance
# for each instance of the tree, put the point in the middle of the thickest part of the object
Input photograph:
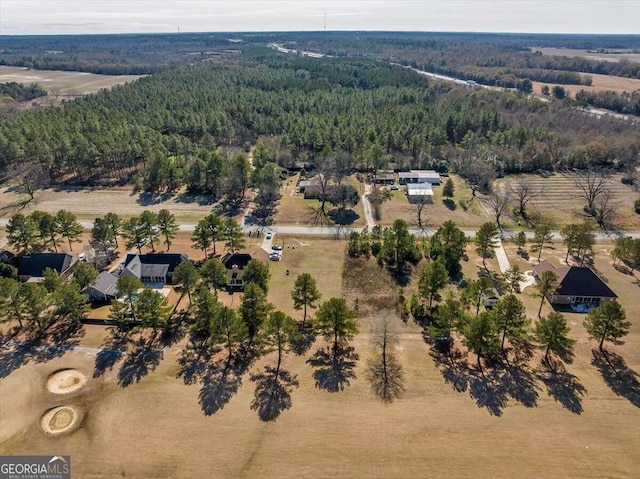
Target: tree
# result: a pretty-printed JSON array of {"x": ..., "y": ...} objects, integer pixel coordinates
[
  {"x": 214, "y": 226},
  {"x": 52, "y": 280},
  {"x": 399, "y": 246},
  {"x": 546, "y": 285},
  {"x": 227, "y": 329},
  {"x": 569, "y": 235},
  {"x": 113, "y": 223},
  {"x": 36, "y": 307},
  {"x": 512, "y": 278},
  {"x": 509, "y": 314},
  {"x": 134, "y": 234},
  {"x": 520, "y": 240},
  {"x": 344, "y": 197},
  {"x": 448, "y": 190},
  {"x": 607, "y": 322},
  {"x": 447, "y": 245},
  {"x": 84, "y": 274},
  {"x": 524, "y": 191},
  {"x": 552, "y": 333},
  {"x": 214, "y": 273},
  {"x": 474, "y": 292},
  {"x": 448, "y": 317},
  {"x": 233, "y": 235},
  {"x": 384, "y": 369},
  {"x": 499, "y": 202},
  {"x": 11, "y": 301},
  {"x": 559, "y": 92},
  {"x": 201, "y": 237},
  {"x": 100, "y": 233},
  {"x": 118, "y": 316},
  {"x": 591, "y": 185},
  {"x": 305, "y": 294},
  {"x": 542, "y": 236},
  {"x": 152, "y": 310},
  {"x": 186, "y": 276},
  {"x": 126, "y": 286},
  {"x": 149, "y": 227},
  {"x": 167, "y": 226},
  {"x": 279, "y": 332},
  {"x": 22, "y": 233},
  {"x": 545, "y": 90},
  {"x": 433, "y": 278},
  {"x": 48, "y": 228},
  {"x": 481, "y": 335},
  {"x": 69, "y": 226},
  {"x": 486, "y": 242},
  {"x": 70, "y": 303},
  {"x": 258, "y": 273},
  {"x": 254, "y": 308},
  {"x": 334, "y": 321}
]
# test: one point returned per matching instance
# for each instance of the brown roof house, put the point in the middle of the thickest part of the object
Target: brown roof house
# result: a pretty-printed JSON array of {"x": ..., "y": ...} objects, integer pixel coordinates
[
  {"x": 237, "y": 262},
  {"x": 579, "y": 287}
]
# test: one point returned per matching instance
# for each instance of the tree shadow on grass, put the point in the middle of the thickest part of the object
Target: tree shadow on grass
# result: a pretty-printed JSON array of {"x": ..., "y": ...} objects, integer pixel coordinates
[
  {"x": 491, "y": 390},
  {"x": 112, "y": 350},
  {"x": 334, "y": 369},
  {"x": 343, "y": 217},
  {"x": 449, "y": 203},
  {"x": 304, "y": 342},
  {"x": 219, "y": 379},
  {"x": 139, "y": 362},
  {"x": 386, "y": 378},
  {"x": 563, "y": 386},
  {"x": 273, "y": 392},
  {"x": 620, "y": 378},
  {"x": 53, "y": 343}
]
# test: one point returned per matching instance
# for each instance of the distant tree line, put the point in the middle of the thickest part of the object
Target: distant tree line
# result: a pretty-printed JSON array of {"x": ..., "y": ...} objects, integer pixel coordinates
[{"x": 20, "y": 92}]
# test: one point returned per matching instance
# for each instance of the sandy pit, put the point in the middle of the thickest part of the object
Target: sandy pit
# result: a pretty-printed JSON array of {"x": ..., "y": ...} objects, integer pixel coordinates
[
  {"x": 59, "y": 420},
  {"x": 66, "y": 381}
]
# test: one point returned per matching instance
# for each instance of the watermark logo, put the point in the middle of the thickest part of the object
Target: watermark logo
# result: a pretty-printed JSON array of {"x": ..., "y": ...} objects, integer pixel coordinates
[{"x": 35, "y": 467}]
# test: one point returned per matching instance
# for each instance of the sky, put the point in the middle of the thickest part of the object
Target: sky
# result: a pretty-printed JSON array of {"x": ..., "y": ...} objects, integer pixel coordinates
[{"x": 20, "y": 17}]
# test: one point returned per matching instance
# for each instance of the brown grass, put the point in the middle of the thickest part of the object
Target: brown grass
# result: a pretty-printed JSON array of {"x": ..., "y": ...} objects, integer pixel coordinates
[
  {"x": 610, "y": 57},
  {"x": 433, "y": 427},
  {"x": 600, "y": 83}
]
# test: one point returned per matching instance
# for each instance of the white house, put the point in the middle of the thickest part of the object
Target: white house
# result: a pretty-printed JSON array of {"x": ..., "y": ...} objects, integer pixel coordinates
[{"x": 420, "y": 193}]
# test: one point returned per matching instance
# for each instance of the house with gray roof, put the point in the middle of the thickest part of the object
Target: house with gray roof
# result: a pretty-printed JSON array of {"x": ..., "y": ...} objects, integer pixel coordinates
[
  {"x": 152, "y": 267},
  {"x": 103, "y": 289}
]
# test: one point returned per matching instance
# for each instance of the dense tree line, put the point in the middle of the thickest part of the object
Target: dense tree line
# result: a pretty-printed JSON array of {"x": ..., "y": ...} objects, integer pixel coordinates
[
  {"x": 625, "y": 102},
  {"x": 21, "y": 92}
]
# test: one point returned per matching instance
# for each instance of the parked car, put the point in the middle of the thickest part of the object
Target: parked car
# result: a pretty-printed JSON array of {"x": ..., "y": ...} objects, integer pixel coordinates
[
  {"x": 275, "y": 256},
  {"x": 268, "y": 235},
  {"x": 276, "y": 247}
]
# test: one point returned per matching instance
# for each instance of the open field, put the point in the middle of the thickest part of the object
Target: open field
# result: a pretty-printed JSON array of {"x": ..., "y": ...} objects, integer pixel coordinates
[
  {"x": 600, "y": 83},
  {"x": 560, "y": 202},
  {"x": 437, "y": 213},
  {"x": 578, "y": 429},
  {"x": 64, "y": 82},
  {"x": 610, "y": 57},
  {"x": 88, "y": 203}
]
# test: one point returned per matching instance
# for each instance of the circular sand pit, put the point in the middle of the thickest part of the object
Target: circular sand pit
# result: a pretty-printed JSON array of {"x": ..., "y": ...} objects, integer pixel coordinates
[
  {"x": 66, "y": 381},
  {"x": 61, "y": 419}
]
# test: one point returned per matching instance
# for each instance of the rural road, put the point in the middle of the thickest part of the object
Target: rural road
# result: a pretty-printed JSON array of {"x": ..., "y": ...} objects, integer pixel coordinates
[
  {"x": 333, "y": 230},
  {"x": 367, "y": 208}
]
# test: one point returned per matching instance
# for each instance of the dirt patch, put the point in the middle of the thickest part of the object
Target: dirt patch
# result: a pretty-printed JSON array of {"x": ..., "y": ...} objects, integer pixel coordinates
[
  {"x": 66, "y": 381},
  {"x": 61, "y": 420}
]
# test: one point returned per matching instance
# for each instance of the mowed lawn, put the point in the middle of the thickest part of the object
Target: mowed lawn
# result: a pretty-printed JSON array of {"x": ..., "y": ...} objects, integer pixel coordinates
[{"x": 447, "y": 423}]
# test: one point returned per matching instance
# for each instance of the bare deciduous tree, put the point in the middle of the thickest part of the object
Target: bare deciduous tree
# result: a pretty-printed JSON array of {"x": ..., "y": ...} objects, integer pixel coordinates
[
  {"x": 524, "y": 191},
  {"x": 591, "y": 184},
  {"x": 29, "y": 178},
  {"x": 499, "y": 203},
  {"x": 384, "y": 369},
  {"x": 605, "y": 212}
]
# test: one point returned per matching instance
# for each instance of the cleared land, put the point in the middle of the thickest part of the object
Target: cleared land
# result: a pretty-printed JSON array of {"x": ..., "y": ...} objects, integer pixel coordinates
[
  {"x": 600, "y": 83},
  {"x": 610, "y": 57},
  {"x": 560, "y": 202},
  {"x": 89, "y": 203},
  {"x": 62, "y": 81}
]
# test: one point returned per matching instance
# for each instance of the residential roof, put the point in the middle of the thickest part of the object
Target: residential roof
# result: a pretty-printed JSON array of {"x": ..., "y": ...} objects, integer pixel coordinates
[
  {"x": 106, "y": 283},
  {"x": 242, "y": 258},
  {"x": 544, "y": 266},
  {"x": 154, "y": 270},
  {"x": 419, "y": 174},
  {"x": 35, "y": 263},
  {"x": 170, "y": 259},
  {"x": 6, "y": 256},
  {"x": 419, "y": 189},
  {"x": 583, "y": 282}
]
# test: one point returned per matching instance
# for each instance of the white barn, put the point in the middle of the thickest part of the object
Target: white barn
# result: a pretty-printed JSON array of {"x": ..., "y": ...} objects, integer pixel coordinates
[
  {"x": 420, "y": 193},
  {"x": 419, "y": 176}
]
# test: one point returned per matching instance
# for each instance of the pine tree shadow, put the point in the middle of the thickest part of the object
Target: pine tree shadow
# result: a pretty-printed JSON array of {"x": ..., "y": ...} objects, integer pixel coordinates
[
  {"x": 563, "y": 386},
  {"x": 303, "y": 343},
  {"x": 334, "y": 369},
  {"x": 620, "y": 378},
  {"x": 13, "y": 356},
  {"x": 139, "y": 362},
  {"x": 273, "y": 392},
  {"x": 112, "y": 350},
  {"x": 491, "y": 388}
]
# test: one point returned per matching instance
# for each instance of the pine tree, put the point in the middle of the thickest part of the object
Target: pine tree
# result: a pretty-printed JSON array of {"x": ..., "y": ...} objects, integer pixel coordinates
[
  {"x": 607, "y": 322},
  {"x": 305, "y": 294}
]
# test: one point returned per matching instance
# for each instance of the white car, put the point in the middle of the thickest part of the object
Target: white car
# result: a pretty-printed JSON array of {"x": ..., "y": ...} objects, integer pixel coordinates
[
  {"x": 275, "y": 256},
  {"x": 268, "y": 235}
]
